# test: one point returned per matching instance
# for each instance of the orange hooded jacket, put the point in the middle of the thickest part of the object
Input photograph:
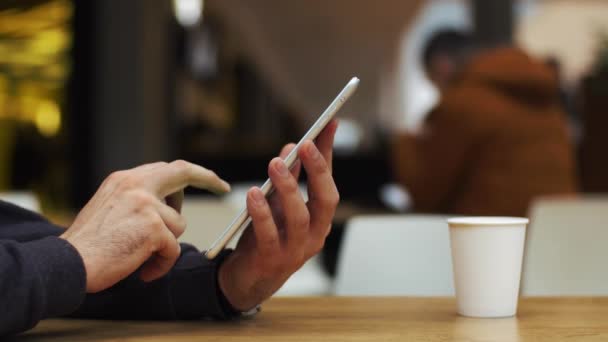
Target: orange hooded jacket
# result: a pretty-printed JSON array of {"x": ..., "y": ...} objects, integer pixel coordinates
[{"x": 498, "y": 139}]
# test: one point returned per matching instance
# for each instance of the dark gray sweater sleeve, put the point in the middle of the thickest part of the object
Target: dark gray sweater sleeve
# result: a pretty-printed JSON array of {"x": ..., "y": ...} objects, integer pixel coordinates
[
  {"x": 38, "y": 279},
  {"x": 189, "y": 291},
  {"x": 43, "y": 276}
]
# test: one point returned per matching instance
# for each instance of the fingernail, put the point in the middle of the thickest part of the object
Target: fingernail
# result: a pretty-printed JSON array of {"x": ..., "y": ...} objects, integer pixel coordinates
[
  {"x": 313, "y": 152},
  {"x": 282, "y": 169},
  {"x": 258, "y": 197}
]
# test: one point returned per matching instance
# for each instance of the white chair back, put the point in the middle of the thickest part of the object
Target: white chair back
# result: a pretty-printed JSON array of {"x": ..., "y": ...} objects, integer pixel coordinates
[
  {"x": 310, "y": 280},
  {"x": 567, "y": 248},
  {"x": 206, "y": 218},
  {"x": 24, "y": 199},
  {"x": 405, "y": 255}
]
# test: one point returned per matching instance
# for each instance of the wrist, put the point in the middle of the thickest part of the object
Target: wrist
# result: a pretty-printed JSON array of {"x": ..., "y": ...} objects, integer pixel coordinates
[
  {"x": 233, "y": 287},
  {"x": 85, "y": 260}
]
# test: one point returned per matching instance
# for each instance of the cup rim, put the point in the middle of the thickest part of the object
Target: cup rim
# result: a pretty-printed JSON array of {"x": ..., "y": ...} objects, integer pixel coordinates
[{"x": 483, "y": 221}]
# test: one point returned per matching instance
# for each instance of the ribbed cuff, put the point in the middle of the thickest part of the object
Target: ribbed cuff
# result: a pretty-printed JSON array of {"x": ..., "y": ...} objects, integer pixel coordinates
[
  {"x": 229, "y": 311},
  {"x": 195, "y": 291},
  {"x": 61, "y": 270}
]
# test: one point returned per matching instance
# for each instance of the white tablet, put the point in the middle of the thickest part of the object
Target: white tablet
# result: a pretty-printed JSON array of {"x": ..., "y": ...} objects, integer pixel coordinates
[{"x": 243, "y": 219}]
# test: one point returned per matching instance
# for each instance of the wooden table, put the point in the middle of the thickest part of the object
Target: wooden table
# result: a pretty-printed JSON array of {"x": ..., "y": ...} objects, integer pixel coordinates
[{"x": 357, "y": 319}]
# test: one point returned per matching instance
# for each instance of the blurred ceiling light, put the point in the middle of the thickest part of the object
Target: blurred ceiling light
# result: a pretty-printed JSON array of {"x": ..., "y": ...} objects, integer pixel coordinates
[
  {"x": 396, "y": 197},
  {"x": 348, "y": 136},
  {"x": 48, "y": 118},
  {"x": 188, "y": 12}
]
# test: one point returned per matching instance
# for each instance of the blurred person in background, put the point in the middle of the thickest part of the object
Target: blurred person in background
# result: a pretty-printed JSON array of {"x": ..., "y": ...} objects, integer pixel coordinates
[
  {"x": 120, "y": 259},
  {"x": 497, "y": 139}
]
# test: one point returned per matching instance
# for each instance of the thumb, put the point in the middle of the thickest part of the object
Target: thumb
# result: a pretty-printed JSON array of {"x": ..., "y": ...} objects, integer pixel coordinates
[{"x": 163, "y": 260}]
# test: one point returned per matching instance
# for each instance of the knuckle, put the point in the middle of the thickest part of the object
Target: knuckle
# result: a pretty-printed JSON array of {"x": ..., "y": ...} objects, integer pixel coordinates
[
  {"x": 182, "y": 224},
  {"x": 141, "y": 199},
  {"x": 153, "y": 226},
  {"x": 290, "y": 185},
  {"x": 180, "y": 162},
  {"x": 303, "y": 219},
  {"x": 288, "y": 148},
  {"x": 176, "y": 251},
  {"x": 271, "y": 243},
  {"x": 286, "y": 267},
  {"x": 180, "y": 228},
  {"x": 327, "y": 232},
  {"x": 212, "y": 174},
  {"x": 156, "y": 224},
  {"x": 320, "y": 166},
  {"x": 335, "y": 199},
  {"x": 318, "y": 247},
  {"x": 180, "y": 165},
  {"x": 130, "y": 181},
  {"x": 154, "y": 164},
  {"x": 297, "y": 262},
  {"x": 270, "y": 169},
  {"x": 330, "y": 199},
  {"x": 115, "y": 176}
]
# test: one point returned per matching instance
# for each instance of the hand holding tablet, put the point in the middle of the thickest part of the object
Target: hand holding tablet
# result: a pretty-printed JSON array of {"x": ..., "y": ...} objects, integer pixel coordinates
[{"x": 244, "y": 219}]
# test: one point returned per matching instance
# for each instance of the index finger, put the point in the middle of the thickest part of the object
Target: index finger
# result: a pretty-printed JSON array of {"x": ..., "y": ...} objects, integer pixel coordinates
[
  {"x": 297, "y": 166},
  {"x": 325, "y": 142},
  {"x": 180, "y": 174}
]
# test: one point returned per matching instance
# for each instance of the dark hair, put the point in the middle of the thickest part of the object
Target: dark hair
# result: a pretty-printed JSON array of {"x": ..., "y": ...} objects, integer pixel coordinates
[{"x": 452, "y": 43}]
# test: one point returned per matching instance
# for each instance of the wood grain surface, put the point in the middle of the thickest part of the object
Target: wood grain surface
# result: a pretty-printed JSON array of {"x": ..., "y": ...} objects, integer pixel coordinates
[{"x": 357, "y": 319}]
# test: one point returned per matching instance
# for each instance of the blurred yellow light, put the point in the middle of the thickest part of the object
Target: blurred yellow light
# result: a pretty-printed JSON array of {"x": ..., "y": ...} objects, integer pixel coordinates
[
  {"x": 49, "y": 42},
  {"x": 55, "y": 71},
  {"x": 35, "y": 19},
  {"x": 48, "y": 118},
  {"x": 3, "y": 92},
  {"x": 27, "y": 108}
]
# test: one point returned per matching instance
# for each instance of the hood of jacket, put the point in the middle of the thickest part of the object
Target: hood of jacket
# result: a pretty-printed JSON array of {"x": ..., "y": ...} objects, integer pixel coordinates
[{"x": 515, "y": 73}]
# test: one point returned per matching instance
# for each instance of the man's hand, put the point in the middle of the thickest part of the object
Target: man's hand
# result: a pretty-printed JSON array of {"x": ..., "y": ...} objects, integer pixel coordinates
[
  {"x": 286, "y": 231},
  {"x": 134, "y": 218}
]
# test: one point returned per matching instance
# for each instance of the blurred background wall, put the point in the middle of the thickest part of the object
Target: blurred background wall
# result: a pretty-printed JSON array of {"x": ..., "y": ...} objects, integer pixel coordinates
[{"x": 88, "y": 87}]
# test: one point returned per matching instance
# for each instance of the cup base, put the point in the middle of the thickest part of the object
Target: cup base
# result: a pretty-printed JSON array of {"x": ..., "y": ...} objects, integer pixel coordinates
[{"x": 497, "y": 316}]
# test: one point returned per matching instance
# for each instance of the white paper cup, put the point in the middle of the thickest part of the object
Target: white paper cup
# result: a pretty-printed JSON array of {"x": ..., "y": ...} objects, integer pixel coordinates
[{"x": 487, "y": 255}]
